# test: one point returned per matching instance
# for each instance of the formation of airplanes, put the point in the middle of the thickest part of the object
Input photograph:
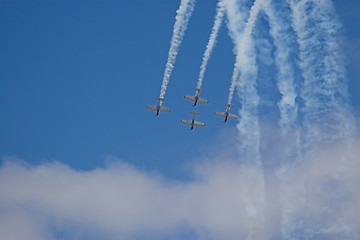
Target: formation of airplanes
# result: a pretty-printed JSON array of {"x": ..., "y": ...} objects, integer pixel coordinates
[{"x": 226, "y": 115}]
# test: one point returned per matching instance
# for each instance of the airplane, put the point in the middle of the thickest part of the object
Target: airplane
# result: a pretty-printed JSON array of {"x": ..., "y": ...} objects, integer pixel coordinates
[
  {"x": 226, "y": 114},
  {"x": 158, "y": 108},
  {"x": 193, "y": 122},
  {"x": 196, "y": 99}
]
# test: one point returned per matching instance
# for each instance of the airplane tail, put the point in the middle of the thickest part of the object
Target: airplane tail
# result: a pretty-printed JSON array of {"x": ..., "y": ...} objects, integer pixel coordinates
[
  {"x": 229, "y": 105},
  {"x": 198, "y": 90},
  {"x": 194, "y": 113},
  {"x": 159, "y": 99}
]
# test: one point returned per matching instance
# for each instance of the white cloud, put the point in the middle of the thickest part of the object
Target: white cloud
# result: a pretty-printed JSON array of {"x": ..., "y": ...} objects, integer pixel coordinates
[{"x": 54, "y": 201}]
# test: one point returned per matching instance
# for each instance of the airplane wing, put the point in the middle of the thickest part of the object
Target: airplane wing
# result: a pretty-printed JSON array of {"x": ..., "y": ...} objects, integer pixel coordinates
[
  {"x": 221, "y": 114},
  {"x": 188, "y": 122},
  {"x": 151, "y": 108},
  {"x": 190, "y": 98},
  {"x": 203, "y": 100},
  {"x": 199, "y": 124},
  {"x": 163, "y": 109},
  {"x": 233, "y": 116}
]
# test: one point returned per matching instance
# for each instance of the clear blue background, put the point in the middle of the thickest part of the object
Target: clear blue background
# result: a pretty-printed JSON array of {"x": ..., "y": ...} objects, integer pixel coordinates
[{"x": 75, "y": 77}]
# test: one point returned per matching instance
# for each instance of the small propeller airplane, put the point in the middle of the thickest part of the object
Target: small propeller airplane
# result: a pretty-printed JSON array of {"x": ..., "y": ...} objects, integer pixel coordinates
[
  {"x": 192, "y": 122},
  {"x": 158, "y": 108},
  {"x": 226, "y": 114},
  {"x": 196, "y": 98}
]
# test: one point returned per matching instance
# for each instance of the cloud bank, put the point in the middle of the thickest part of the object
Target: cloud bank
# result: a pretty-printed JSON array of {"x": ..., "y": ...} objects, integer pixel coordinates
[{"x": 54, "y": 201}]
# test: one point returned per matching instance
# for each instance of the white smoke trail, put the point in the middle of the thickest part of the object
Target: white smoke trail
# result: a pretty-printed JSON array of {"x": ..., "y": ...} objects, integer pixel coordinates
[
  {"x": 212, "y": 40},
  {"x": 235, "y": 12},
  {"x": 183, "y": 15},
  {"x": 244, "y": 51},
  {"x": 249, "y": 129},
  {"x": 280, "y": 31},
  {"x": 278, "y": 15},
  {"x": 283, "y": 39},
  {"x": 237, "y": 15},
  {"x": 324, "y": 91},
  {"x": 327, "y": 118},
  {"x": 248, "y": 126}
]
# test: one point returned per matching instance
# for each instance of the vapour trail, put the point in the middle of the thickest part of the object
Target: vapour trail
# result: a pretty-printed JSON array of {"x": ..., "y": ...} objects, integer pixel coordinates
[
  {"x": 280, "y": 31},
  {"x": 327, "y": 118},
  {"x": 183, "y": 15},
  {"x": 249, "y": 128},
  {"x": 243, "y": 50},
  {"x": 236, "y": 16},
  {"x": 212, "y": 40},
  {"x": 324, "y": 91},
  {"x": 284, "y": 40}
]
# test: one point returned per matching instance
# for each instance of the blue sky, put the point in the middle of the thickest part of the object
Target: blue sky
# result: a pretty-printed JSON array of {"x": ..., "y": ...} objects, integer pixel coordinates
[{"x": 75, "y": 77}]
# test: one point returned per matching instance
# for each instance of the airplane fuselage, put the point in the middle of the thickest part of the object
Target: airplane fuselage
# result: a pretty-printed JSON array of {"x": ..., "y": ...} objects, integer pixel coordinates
[
  {"x": 158, "y": 110},
  {"x": 192, "y": 124},
  {"x": 196, "y": 99},
  {"x": 226, "y": 114}
]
